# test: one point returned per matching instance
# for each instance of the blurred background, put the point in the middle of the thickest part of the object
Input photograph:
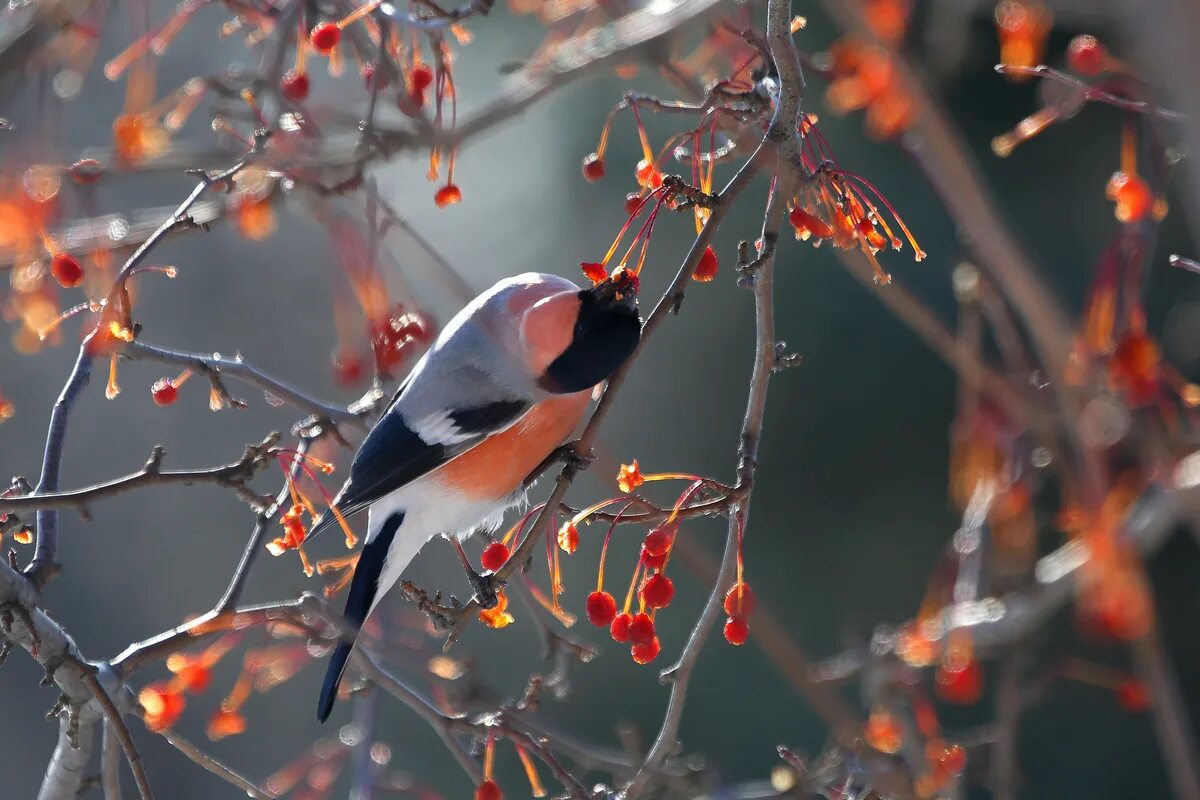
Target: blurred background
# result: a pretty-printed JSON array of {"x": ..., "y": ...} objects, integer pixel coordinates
[{"x": 850, "y": 510}]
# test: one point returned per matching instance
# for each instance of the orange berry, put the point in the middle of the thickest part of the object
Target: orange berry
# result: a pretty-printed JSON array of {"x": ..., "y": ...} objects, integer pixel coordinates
[
  {"x": 494, "y": 556},
  {"x": 448, "y": 195},
  {"x": 1131, "y": 695},
  {"x": 593, "y": 167},
  {"x": 961, "y": 684},
  {"x": 488, "y": 790},
  {"x": 737, "y": 631},
  {"x": 592, "y": 271},
  {"x": 809, "y": 225},
  {"x": 66, "y": 271},
  {"x": 294, "y": 85},
  {"x": 568, "y": 538},
  {"x": 194, "y": 677},
  {"x": 1132, "y": 196},
  {"x": 422, "y": 77},
  {"x": 225, "y": 723},
  {"x": 601, "y": 609},
  {"x": 164, "y": 392},
  {"x": 657, "y": 591},
  {"x": 254, "y": 219},
  {"x": 161, "y": 707},
  {"x": 629, "y": 477},
  {"x": 646, "y": 652},
  {"x": 1086, "y": 55},
  {"x": 641, "y": 629},
  {"x": 619, "y": 630},
  {"x": 739, "y": 601},
  {"x": 324, "y": 37},
  {"x": 648, "y": 175},
  {"x": 706, "y": 270},
  {"x": 883, "y": 732}
]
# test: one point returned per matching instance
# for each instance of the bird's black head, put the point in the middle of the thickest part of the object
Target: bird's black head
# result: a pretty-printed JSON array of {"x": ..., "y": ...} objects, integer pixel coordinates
[{"x": 606, "y": 333}]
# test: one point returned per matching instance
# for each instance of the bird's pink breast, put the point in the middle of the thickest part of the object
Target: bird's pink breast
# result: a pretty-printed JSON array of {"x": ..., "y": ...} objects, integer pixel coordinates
[{"x": 497, "y": 467}]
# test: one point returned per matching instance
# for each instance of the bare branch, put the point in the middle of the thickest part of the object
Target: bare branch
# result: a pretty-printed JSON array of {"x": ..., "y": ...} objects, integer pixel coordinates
[{"x": 233, "y": 475}]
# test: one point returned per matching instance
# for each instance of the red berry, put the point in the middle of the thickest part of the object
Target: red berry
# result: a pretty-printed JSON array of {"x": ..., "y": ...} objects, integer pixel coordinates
[
  {"x": 960, "y": 683},
  {"x": 736, "y": 631},
  {"x": 324, "y": 37},
  {"x": 1131, "y": 695},
  {"x": 647, "y": 652},
  {"x": 633, "y": 201},
  {"x": 657, "y": 591},
  {"x": 1086, "y": 55},
  {"x": 601, "y": 609},
  {"x": 488, "y": 790},
  {"x": 593, "y": 167},
  {"x": 653, "y": 561},
  {"x": 641, "y": 629},
  {"x": 347, "y": 367},
  {"x": 619, "y": 630},
  {"x": 66, "y": 271},
  {"x": 448, "y": 195},
  {"x": 658, "y": 541},
  {"x": 422, "y": 76},
  {"x": 294, "y": 85},
  {"x": 953, "y": 760},
  {"x": 706, "y": 270},
  {"x": 494, "y": 556},
  {"x": 739, "y": 601},
  {"x": 164, "y": 392}
]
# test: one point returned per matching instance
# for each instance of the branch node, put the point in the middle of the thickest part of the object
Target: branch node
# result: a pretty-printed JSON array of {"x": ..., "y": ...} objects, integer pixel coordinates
[
  {"x": 783, "y": 359},
  {"x": 154, "y": 462}
]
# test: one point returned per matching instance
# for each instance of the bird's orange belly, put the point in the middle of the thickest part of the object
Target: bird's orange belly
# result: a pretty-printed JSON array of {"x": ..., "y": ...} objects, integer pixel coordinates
[{"x": 497, "y": 467}]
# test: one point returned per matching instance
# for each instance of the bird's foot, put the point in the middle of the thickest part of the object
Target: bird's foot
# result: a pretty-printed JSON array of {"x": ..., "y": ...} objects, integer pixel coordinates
[
  {"x": 485, "y": 589},
  {"x": 575, "y": 456}
]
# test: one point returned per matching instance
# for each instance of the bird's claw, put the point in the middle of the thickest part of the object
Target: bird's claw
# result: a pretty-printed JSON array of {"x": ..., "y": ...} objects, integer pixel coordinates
[
  {"x": 574, "y": 456},
  {"x": 485, "y": 590}
]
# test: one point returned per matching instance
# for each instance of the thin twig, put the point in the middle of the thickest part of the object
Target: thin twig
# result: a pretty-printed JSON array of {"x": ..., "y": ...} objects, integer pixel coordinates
[
  {"x": 43, "y": 567},
  {"x": 215, "y": 366},
  {"x": 235, "y": 474},
  {"x": 214, "y": 766},
  {"x": 117, "y": 725}
]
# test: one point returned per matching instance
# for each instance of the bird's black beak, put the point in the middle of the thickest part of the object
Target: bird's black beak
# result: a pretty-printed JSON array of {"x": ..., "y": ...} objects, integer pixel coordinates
[{"x": 619, "y": 290}]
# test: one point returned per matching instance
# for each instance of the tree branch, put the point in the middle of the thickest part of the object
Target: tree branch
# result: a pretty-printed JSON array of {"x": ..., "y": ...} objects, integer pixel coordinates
[{"x": 234, "y": 475}]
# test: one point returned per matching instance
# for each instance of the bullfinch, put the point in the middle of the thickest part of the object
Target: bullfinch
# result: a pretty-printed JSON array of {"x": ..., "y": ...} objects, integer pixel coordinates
[{"x": 500, "y": 390}]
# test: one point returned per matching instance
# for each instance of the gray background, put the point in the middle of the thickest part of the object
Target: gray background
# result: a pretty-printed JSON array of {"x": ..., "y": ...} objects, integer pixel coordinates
[{"x": 850, "y": 511}]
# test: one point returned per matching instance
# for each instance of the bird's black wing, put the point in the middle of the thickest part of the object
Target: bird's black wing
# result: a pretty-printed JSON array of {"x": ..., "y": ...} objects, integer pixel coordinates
[{"x": 394, "y": 454}]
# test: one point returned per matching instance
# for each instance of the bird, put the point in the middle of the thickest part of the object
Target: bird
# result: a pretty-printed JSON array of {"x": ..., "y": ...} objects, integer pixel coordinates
[{"x": 497, "y": 394}]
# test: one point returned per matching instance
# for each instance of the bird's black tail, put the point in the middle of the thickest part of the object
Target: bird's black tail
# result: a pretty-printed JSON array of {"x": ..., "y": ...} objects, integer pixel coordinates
[
  {"x": 358, "y": 602},
  {"x": 333, "y": 678}
]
